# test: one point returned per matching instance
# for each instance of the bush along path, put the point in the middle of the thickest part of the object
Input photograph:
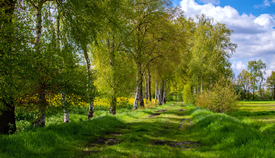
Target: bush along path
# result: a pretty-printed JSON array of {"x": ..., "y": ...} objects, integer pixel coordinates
[{"x": 171, "y": 130}]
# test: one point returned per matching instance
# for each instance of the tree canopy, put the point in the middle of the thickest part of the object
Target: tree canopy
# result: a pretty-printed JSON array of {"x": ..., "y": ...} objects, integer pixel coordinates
[{"x": 82, "y": 50}]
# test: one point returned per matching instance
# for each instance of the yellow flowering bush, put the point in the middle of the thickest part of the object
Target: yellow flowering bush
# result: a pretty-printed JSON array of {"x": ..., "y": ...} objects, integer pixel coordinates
[{"x": 99, "y": 103}]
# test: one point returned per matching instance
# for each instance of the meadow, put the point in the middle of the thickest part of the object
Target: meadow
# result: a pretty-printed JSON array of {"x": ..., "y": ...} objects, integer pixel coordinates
[{"x": 171, "y": 130}]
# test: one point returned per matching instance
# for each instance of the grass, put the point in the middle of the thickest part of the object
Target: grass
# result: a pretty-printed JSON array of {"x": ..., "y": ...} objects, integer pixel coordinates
[
  {"x": 258, "y": 114},
  {"x": 172, "y": 130}
]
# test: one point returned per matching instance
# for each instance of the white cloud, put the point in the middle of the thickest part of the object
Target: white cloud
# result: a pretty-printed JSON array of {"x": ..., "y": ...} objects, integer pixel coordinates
[
  {"x": 266, "y": 3},
  {"x": 265, "y": 20},
  {"x": 238, "y": 65},
  {"x": 254, "y": 36},
  {"x": 268, "y": 73},
  {"x": 211, "y": 1}
]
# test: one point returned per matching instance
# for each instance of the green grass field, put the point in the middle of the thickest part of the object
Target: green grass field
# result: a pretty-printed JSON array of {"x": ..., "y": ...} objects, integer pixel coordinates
[{"x": 172, "y": 130}]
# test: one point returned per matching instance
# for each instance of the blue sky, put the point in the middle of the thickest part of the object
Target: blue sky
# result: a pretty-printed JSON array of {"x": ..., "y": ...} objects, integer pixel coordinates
[
  {"x": 253, "y": 23},
  {"x": 255, "y": 7}
]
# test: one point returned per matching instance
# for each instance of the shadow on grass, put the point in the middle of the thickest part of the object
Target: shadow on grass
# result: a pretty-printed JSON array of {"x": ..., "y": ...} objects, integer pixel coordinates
[
  {"x": 81, "y": 138},
  {"x": 143, "y": 141},
  {"x": 64, "y": 140}
]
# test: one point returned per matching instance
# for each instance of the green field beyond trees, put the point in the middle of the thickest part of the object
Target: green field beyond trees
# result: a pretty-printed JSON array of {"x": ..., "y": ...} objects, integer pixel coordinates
[{"x": 170, "y": 130}]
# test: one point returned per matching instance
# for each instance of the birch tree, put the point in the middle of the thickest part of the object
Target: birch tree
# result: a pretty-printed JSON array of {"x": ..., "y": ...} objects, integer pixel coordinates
[
  {"x": 83, "y": 26},
  {"x": 145, "y": 32},
  {"x": 257, "y": 71},
  {"x": 244, "y": 81},
  {"x": 210, "y": 53}
]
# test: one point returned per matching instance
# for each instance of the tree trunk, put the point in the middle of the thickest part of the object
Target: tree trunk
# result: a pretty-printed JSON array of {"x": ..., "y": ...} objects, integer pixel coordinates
[
  {"x": 139, "y": 95},
  {"x": 149, "y": 85},
  {"x": 146, "y": 87},
  {"x": 164, "y": 97},
  {"x": 164, "y": 94},
  {"x": 161, "y": 93},
  {"x": 63, "y": 94},
  {"x": 140, "y": 99},
  {"x": 89, "y": 84},
  {"x": 156, "y": 92},
  {"x": 274, "y": 92},
  {"x": 135, "y": 106},
  {"x": 42, "y": 102},
  {"x": 7, "y": 117},
  {"x": 253, "y": 93},
  {"x": 248, "y": 94},
  {"x": 244, "y": 93},
  {"x": 113, "y": 103},
  {"x": 65, "y": 108}
]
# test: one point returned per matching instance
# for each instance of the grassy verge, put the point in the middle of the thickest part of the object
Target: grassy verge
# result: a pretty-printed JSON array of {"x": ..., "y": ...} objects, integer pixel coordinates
[
  {"x": 172, "y": 130},
  {"x": 230, "y": 136}
]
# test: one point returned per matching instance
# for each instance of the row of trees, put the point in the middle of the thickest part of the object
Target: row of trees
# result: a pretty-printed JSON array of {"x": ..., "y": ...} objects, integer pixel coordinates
[
  {"x": 111, "y": 48},
  {"x": 253, "y": 81}
]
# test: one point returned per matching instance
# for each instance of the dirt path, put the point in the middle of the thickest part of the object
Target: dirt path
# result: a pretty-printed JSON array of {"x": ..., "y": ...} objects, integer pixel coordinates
[{"x": 155, "y": 135}]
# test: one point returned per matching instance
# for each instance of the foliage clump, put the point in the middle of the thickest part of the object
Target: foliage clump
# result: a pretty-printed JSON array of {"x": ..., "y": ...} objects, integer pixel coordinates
[
  {"x": 221, "y": 98},
  {"x": 188, "y": 95}
]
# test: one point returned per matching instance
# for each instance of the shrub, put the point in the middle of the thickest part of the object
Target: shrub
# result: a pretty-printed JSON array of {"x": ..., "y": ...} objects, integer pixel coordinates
[{"x": 222, "y": 97}]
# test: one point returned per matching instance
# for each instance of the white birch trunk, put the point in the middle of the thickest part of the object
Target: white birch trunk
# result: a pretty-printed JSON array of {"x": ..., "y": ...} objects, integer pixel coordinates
[
  {"x": 89, "y": 85},
  {"x": 161, "y": 93},
  {"x": 159, "y": 100},
  {"x": 146, "y": 87},
  {"x": 135, "y": 106},
  {"x": 65, "y": 107},
  {"x": 156, "y": 93},
  {"x": 139, "y": 95},
  {"x": 149, "y": 85},
  {"x": 63, "y": 95}
]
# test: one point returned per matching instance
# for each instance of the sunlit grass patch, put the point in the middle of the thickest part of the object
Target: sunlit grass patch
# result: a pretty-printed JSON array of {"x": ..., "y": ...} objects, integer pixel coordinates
[
  {"x": 257, "y": 114},
  {"x": 257, "y": 102},
  {"x": 252, "y": 106}
]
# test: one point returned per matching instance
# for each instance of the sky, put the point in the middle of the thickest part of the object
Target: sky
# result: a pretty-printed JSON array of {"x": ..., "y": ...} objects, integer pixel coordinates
[{"x": 252, "y": 22}]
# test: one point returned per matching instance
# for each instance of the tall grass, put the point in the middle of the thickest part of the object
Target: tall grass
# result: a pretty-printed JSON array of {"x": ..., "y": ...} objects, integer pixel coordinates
[
  {"x": 218, "y": 135},
  {"x": 64, "y": 139},
  {"x": 231, "y": 136}
]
